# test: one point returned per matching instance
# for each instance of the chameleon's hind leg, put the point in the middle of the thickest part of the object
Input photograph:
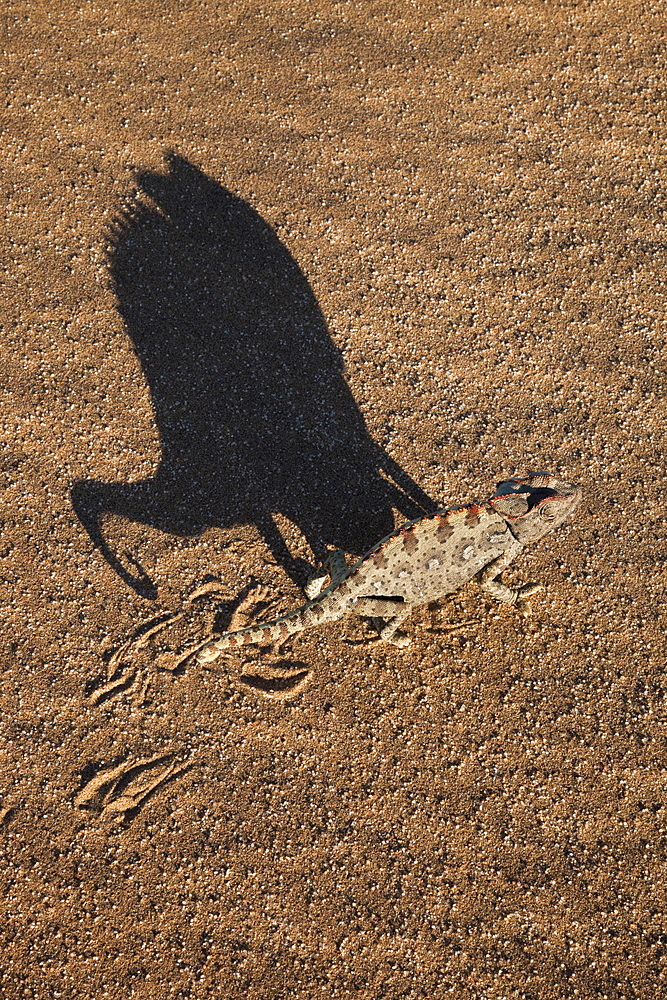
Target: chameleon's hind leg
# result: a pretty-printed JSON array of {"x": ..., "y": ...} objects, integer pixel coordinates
[
  {"x": 334, "y": 566},
  {"x": 386, "y": 615},
  {"x": 389, "y": 631}
]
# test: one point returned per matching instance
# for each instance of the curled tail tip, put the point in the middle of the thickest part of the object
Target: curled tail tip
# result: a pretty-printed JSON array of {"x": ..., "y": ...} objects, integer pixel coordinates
[{"x": 207, "y": 655}]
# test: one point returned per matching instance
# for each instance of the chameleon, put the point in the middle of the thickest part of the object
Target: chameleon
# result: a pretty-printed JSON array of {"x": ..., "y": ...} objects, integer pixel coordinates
[{"x": 422, "y": 561}]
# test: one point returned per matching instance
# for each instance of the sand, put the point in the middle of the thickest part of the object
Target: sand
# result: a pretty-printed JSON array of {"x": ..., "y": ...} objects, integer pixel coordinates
[{"x": 278, "y": 277}]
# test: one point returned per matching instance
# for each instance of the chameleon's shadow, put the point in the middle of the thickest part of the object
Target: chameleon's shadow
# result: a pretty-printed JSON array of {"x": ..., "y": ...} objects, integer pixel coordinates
[{"x": 254, "y": 414}]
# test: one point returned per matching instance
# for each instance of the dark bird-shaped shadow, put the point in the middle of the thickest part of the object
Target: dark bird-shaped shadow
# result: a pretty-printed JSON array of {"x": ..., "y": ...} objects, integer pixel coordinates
[{"x": 254, "y": 415}]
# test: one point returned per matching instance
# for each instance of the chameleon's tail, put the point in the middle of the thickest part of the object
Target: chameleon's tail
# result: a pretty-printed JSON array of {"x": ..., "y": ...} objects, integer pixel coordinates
[{"x": 314, "y": 613}]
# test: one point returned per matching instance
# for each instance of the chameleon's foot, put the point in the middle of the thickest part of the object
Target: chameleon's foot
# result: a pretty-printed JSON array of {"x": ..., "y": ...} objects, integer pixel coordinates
[
  {"x": 387, "y": 625},
  {"x": 522, "y": 605},
  {"x": 315, "y": 583},
  {"x": 389, "y": 632},
  {"x": 400, "y": 639}
]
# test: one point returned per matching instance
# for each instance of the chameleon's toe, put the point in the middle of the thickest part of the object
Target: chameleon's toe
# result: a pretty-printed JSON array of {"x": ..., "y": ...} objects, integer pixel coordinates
[
  {"x": 400, "y": 639},
  {"x": 524, "y": 608},
  {"x": 529, "y": 589},
  {"x": 314, "y": 585}
]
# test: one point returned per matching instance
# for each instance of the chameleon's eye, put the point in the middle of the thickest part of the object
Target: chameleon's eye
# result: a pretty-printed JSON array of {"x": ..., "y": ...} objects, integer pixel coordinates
[{"x": 548, "y": 511}]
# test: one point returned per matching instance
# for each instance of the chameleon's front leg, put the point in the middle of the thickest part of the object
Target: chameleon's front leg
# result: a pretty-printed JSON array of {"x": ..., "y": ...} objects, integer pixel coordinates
[
  {"x": 334, "y": 566},
  {"x": 489, "y": 582}
]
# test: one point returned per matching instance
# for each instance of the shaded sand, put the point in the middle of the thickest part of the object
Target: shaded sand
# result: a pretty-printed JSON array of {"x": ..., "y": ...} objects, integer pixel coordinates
[{"x": 278, "y": 276}]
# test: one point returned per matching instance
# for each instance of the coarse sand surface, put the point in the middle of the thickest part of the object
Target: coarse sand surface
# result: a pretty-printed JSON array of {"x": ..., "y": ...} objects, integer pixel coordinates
[{"x": 277, "y": 277}]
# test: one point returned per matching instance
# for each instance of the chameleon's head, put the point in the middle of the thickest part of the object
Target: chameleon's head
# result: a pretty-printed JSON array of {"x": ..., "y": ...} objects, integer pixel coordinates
[{"x": 535, "y": 506}]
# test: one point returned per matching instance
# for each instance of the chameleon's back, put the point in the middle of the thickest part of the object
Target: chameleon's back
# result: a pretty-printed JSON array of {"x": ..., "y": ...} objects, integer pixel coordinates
[{"x": 434, "y": 556}]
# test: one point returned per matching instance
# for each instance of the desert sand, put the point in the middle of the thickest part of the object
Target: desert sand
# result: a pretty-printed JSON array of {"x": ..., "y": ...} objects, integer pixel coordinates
[{"x": 278, "y": 277}]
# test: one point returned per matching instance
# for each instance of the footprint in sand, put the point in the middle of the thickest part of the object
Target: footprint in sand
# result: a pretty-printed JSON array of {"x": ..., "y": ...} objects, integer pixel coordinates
[
  {"x": 277, "y": 679},
  {"x": 119, "y": 792},
  {"x": 181, "y": 633},
  {"x": 280, "y": 688}
]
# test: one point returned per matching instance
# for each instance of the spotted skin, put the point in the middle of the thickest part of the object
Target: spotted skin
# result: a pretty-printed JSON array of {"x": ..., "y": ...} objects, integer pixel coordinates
[{"x": 423, "y": 561}]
